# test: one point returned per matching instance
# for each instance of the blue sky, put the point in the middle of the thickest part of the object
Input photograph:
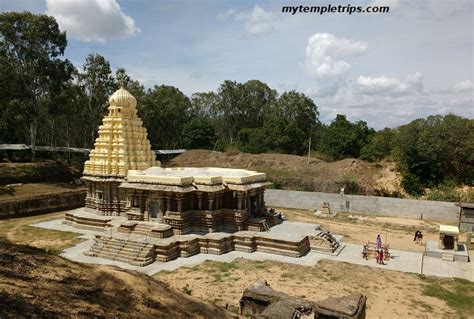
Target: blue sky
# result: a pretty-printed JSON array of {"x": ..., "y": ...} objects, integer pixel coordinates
[{"x": 386, "y": 68}]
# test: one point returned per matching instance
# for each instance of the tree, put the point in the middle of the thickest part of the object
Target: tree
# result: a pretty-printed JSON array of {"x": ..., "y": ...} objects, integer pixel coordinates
[
  {"x": 241, "y": 106},
  {"x": 164, "y": 112},
  {"x": 287, "y": 126},
  {"x": 98, "y": 84},
  {"x": 198, "y": 133},
  {"x": 204, "y": 105},
  {"x": 435, "y": 150},
  {"x": 342, "y": 139},
  {"x": 380, "y": 145},
  {"x": 31, "y": 45}
]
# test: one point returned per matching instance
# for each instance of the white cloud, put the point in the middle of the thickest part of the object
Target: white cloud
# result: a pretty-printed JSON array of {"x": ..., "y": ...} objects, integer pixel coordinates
[
  {"x": 92, "y": 20},
  {"x": 388, "y": 109},
  {"x": 464, "y": 86},
  {"x": 256, "y": 22},
  {"x": 324, "y": 54},
  {"x": 390, "y": 86}
]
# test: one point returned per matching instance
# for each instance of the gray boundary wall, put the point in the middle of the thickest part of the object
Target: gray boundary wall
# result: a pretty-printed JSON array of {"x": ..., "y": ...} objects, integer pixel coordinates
[{"x": 370, "y": 205}]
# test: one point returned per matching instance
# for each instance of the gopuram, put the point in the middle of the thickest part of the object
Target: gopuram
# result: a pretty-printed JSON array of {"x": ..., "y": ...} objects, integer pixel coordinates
[{"x": 143, "y": 212}]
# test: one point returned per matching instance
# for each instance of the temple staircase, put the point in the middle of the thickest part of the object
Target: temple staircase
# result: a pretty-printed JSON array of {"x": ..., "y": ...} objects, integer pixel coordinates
[{"x": 134, "y": 252}]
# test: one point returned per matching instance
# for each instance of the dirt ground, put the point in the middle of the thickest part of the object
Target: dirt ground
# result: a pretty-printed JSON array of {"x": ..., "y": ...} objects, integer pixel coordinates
[
  {"x": 397, "y": 232},
  {"x": 29, "y": 190},
  {"x": 296, "y": 172},
  {"x": 390, "y": 294},
  {"x": 36, "y": 284}
]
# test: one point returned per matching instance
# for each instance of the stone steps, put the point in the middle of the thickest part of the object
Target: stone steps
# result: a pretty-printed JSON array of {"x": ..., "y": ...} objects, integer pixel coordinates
[
  {"x": 86, "y": 222},
  {"x": 129, "y": 251}
]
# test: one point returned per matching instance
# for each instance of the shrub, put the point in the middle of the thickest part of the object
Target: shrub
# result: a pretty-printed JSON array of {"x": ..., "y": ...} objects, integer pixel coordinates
[{"x": 186, "y": 289}]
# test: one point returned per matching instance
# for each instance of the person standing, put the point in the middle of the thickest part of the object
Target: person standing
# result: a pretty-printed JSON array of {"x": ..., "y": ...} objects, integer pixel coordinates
[
  {"x": 378, "y": 243},
  {"x": 381, "y": 257}
]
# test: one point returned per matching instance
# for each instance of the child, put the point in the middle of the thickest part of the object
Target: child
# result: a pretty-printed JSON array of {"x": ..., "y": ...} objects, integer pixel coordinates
[
  {"x": 381, "y": 257},
  {"x": 377, "y": 256},
  {"x": 365, "y": 252}
]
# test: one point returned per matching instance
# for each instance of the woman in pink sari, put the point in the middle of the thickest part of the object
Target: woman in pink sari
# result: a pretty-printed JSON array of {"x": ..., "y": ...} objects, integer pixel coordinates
[{"x": 378, "y": 243}]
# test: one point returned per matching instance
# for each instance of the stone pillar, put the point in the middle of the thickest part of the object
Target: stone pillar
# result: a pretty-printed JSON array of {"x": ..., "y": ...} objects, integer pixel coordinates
[
  {"x": 168, "y": 202},
  {"x": 211, "y": 201},
  {"x": 240, "y": 202},
  {"x": 179, "y": 200},
  {"x": 191, "y": 201},
  {"x": 147, "y": 213},
  {"x": 199, "y": 197},
  {"x": 162, "y": 205}
]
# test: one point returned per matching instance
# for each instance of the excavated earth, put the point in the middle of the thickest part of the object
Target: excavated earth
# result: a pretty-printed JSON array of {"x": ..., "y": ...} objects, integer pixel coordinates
[
  {"x": 34, "y": 283},
  {"x": 299, "y": 173}
]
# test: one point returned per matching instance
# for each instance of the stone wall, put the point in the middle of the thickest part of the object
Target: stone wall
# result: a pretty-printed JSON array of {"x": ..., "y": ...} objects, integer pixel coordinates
[
  {"x": 42, "y": 204},
  {"x": 370, "y": 205}
]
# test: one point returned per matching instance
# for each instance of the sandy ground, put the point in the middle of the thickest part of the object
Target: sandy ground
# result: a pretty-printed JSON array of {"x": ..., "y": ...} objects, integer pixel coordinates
[
  {"x": 397, "y": 232},
  {"x": 390, "y": 294}
]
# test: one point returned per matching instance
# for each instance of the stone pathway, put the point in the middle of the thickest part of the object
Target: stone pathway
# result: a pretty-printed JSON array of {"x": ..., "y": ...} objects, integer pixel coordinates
[{"x": 404, "y": 261}]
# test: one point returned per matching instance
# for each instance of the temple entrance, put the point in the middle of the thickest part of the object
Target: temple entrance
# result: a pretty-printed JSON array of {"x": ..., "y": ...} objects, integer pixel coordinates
[
  {"x": 154, "y": 209},
  {"x": 448, "y": 242}
]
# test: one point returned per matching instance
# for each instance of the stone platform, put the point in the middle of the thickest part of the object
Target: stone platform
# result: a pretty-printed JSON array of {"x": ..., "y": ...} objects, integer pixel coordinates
[
  {"x": 142, "y": 250},
  {"x": 432, "y": 250},
  {"x": 143, "y": 242},
  {"x": 80, "y": 218}
]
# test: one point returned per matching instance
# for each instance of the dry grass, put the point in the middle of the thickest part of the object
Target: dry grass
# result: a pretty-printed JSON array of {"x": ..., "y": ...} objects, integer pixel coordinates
[
  {"x": 390, "y": 294},
  {"x": 35, "y": 284},
  {"x": 18, "y": 230},
  {"x": 25, "y": 191}
]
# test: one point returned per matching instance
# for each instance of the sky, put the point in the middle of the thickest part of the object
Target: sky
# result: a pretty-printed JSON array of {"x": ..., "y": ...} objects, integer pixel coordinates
[{"x": 386, "y": 69}]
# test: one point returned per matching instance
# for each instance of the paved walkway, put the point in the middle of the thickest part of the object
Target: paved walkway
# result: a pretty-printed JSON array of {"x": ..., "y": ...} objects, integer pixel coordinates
[{"x": 404, "y": 261}]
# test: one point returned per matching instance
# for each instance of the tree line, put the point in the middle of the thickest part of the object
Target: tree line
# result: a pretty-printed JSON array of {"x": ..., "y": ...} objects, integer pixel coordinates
[{"x": 45, "y": 100}]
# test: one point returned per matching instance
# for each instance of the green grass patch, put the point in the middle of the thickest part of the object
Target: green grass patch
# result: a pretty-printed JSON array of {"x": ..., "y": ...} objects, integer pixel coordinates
[
  {"x": 18, "y": 230},
  {"x": 457, "y": 293}
]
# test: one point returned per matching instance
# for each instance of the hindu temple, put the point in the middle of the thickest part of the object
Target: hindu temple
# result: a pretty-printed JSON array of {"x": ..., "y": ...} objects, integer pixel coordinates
[{"x": 143, "y": 212}]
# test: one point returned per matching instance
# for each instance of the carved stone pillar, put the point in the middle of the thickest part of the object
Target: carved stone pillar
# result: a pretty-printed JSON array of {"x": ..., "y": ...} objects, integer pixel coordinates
[
  {"x": 191, "y": 201},
  {"x": 162, "y": 205},
  {"x": 168, "y": 202},
  {"x": 240, "y": 200},
  {"x": 179, "y": 201},
  {"x": 211, "y": 201},
  {"x": 199, "y": 197}
]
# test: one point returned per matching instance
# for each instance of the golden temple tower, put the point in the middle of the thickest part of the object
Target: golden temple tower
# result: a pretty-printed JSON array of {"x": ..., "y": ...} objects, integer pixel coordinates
[{"x": 122, "y": 145}]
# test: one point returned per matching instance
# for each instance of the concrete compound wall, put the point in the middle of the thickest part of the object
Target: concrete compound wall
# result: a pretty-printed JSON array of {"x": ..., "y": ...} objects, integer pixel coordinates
[{"x": 370, "y": 205}]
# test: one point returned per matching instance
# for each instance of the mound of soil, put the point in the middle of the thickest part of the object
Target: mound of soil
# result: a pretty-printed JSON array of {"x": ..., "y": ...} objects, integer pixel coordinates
[
  {"x": 296, "y": 172},
  {"x": 34, "y": 283}
]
